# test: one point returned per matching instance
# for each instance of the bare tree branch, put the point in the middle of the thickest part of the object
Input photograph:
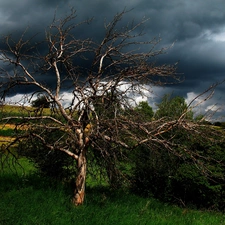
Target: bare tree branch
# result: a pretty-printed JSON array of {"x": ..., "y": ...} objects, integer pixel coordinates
[{"x": 100, "y": 114}]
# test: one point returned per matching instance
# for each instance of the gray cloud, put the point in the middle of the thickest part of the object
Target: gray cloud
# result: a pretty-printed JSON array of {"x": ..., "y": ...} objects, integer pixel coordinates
[{"x": 196, "y": 26}]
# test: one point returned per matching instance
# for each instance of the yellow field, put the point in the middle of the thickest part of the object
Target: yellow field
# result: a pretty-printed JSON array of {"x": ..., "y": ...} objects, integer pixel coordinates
[
  {"x": 5, "y": 140},
  {"x": 7, "y": 126}
]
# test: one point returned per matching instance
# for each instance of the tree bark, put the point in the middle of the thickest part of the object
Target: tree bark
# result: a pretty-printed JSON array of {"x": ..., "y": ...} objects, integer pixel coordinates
[{"x": 79, "y": 191}]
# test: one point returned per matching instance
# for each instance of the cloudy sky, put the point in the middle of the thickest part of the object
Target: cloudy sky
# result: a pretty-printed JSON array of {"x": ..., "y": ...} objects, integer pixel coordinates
[{"x": 197, "y": 27}]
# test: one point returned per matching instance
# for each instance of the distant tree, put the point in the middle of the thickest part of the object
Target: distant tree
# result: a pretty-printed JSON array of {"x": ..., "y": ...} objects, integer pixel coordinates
[
  {"x": 173, "y": 107},
  {"x": 41, "y": 102},
  {"x": 217, "y": 123},
  {"x": 144, "y": 110},
  {"x": 93, "y": 124}
]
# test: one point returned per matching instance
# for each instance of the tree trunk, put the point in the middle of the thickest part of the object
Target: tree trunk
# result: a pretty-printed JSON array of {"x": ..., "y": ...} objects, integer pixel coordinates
[{"x": 79, "y": 192}]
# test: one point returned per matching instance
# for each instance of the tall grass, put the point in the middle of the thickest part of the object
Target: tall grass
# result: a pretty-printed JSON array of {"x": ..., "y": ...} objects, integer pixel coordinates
[{"x": 27, "y": 198}]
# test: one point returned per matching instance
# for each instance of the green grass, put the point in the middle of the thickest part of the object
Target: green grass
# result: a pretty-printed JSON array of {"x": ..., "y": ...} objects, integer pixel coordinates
[
  {"x": 20, "y": 112},
  {"x": 27, "y": 198},
  {"x": 8, "y": 132},
  {"x": 11, "y": 110}
]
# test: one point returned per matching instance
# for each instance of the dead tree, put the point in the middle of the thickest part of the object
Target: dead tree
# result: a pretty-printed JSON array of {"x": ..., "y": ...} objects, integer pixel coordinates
[{"x": 102, "y": 77}]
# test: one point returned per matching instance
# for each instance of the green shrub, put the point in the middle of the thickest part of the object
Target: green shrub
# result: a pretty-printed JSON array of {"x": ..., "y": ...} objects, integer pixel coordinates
[
  {"x": 170, "y": 178},
  {"x": 51, "y": 163}
]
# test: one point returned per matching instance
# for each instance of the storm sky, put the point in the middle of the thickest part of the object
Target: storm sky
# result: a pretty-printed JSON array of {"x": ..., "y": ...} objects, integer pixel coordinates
[{"x": 196, "y": 27}]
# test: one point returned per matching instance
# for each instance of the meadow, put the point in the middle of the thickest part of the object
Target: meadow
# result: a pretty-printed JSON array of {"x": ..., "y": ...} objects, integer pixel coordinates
[{"x": 28, "y": 198}]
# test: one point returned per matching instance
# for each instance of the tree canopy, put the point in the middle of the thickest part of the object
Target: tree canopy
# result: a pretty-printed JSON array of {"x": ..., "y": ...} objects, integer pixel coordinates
[
  {"x": 145, "y": 110},
  {"x": 41, "y": 101},
  {"x": 173, "y": 107}
]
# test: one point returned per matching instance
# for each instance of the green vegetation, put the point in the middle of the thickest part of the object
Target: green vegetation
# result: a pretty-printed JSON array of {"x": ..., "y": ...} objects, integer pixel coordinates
[
  {"x": 176, "y": 177},
  {"x": 54, "y": 164},
  {"x": 27, "y": 198},
  {"x": 14, "y": 111},
  {"x": 42, "y": 101},
  {"x": 172, "y": 179},
  {"x": 8, "y": 132},
  {"x": 144, "y": 110},
  {"x": 173, "y": 107}
]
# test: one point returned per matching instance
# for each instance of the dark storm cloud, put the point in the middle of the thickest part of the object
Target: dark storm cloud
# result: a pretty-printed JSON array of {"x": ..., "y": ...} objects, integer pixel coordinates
[{"x": 197, "y": 27}]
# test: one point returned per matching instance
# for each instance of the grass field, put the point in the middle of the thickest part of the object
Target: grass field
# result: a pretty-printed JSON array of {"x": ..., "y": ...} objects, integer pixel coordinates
[{"x": 27, "y": 198}]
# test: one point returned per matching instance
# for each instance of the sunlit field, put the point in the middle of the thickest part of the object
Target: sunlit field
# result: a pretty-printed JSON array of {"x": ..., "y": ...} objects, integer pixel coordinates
[{"x": 14, "y": 110}]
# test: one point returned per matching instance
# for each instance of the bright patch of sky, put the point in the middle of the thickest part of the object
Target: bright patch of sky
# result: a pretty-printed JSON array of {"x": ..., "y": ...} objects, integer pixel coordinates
[{"x": 218, "y": 37}]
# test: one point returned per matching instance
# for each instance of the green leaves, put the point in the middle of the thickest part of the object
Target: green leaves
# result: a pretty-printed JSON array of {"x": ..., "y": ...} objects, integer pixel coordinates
[
  {"x": 173, "y": 107},
  {"x": 145, "y": 111}
]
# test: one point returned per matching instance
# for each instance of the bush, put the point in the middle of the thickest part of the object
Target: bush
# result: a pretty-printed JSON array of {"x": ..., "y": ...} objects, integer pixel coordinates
[
  {"x": 51, "y": 163},
  {"x": 170, "y": 178}
]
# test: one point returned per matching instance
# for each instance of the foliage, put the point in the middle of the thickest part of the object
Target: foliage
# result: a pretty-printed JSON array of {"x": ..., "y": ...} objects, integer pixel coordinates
[
  {"x": 194, "y": 172},
  {"x": 41, "y": 102},
  {"x": 145, "y": 111},
  {"x": 177, "y": 178},
  {"x": 50, "y": 163},
  {"x": 220, "y": 124},
  {"x": 173, "y": 107},
  {"x": 8, "y": 132}
]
